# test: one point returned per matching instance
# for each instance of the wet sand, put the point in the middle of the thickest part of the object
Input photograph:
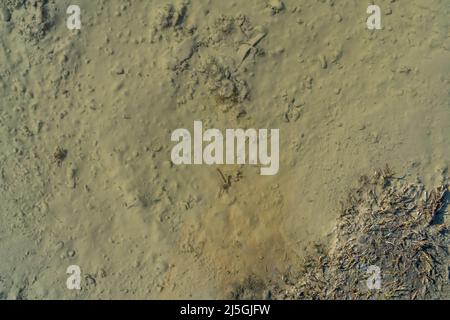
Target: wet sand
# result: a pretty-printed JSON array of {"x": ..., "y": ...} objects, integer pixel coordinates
[{"x": 86, "y": 117}]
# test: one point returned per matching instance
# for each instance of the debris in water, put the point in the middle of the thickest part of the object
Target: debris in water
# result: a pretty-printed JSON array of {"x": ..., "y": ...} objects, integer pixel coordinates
[{"x": 386, "y": 223}]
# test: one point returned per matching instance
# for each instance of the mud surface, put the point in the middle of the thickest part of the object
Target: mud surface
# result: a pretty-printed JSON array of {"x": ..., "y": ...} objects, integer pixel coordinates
[{"x": 86, "y": 116}]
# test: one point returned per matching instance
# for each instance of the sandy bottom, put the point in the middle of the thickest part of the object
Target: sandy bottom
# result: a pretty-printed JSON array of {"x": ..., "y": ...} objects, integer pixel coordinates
[{"x": 86, "y": 117}]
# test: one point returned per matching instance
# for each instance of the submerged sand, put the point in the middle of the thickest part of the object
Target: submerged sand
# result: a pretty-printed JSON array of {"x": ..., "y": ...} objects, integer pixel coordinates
[{"x": 86, "y": 116}]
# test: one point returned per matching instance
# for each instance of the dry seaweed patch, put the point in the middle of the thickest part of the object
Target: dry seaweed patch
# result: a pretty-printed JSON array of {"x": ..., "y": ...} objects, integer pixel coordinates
[{"x": 390, "y": 224}]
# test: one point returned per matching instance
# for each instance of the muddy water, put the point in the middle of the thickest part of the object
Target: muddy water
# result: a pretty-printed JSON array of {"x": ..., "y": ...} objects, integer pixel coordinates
[{"x": 346, "y": 100}]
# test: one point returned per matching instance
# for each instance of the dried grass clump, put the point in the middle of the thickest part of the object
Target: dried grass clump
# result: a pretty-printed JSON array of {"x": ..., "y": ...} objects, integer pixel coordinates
[{"x": 390, "y": 224}]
